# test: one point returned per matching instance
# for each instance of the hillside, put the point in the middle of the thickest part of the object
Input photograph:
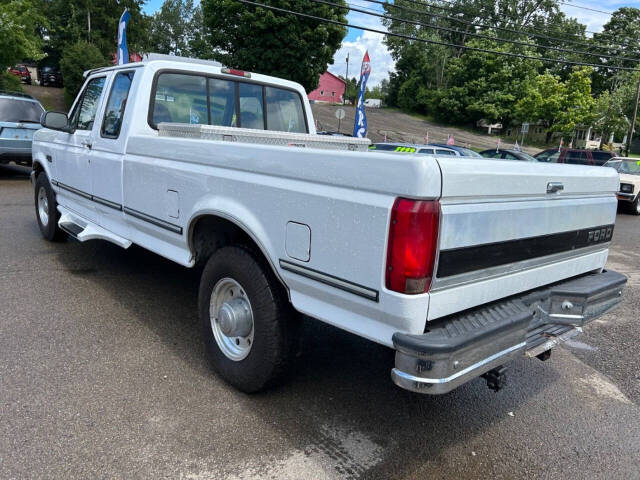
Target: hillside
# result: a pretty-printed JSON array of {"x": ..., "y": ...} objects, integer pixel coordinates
[{"x": 401, "y": 127}]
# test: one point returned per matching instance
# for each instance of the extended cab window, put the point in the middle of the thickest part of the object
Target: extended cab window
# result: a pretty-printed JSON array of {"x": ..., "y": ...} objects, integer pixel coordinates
[
  {"x": 222, "y": 101},
  {"x": 84, "y": 113},
  {"x": 284, "y": 111},
  {"x": 251, "y": 112},
  {"x": 115, "y": 106},
  {"x": 180, "y": 98}
]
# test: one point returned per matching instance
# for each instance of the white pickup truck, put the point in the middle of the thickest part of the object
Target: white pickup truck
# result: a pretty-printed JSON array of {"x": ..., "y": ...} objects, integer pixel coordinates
[{"x": 459, "y": 264}]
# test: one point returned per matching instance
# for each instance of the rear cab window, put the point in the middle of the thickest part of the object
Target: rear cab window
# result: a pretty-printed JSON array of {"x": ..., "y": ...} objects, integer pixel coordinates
[{"x": 211, "y": 100}]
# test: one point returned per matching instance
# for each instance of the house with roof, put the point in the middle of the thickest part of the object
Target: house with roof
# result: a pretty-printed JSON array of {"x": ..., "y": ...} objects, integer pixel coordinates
[{"x": 330, "y": 89}]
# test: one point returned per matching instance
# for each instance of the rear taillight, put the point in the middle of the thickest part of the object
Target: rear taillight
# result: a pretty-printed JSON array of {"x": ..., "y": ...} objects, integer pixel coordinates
[{"x": 413, "y": 241}]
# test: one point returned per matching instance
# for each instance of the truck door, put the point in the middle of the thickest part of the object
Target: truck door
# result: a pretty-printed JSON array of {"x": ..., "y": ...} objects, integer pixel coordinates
[
  {"x": 73, "y": 163},
  {"x": 107, "y": 153}
]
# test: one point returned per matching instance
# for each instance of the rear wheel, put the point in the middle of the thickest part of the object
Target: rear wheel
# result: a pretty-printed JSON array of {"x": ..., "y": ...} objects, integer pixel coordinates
[
  {"x": 635, "y": 206},
  {"x": 249, "y": 327},
  {"x": 46, "y": 210}
]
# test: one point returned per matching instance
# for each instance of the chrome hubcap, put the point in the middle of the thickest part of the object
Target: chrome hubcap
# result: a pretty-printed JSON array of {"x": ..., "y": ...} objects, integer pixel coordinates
[
  {"x": 231, "y": 319},
  {"x": 43, "y": 206}
]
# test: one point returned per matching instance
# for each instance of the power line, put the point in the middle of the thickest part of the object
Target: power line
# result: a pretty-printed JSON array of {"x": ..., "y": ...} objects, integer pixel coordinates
[
  {"x": 481, "y": 25},
  {"x": 582, "y": 7},
  {"x": 471, "y": 34},
  {"x": 434, "y": 42}
]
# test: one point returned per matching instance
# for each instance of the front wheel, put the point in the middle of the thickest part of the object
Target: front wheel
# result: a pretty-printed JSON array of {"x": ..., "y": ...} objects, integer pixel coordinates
[
  {"x": 250, "y": 329},
  {"x": 46, "y": 210}
]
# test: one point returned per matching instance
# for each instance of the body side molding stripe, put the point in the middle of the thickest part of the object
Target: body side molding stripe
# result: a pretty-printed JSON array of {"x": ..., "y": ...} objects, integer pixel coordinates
[
  {"x": 346, "y": 285},
  {"x": 155, "y": 221},
  {"x": 158, "y": 222},
  {"x": 478, "y": 257}
]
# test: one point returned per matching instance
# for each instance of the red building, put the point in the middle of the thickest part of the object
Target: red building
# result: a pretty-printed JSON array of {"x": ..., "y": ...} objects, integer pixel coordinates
[{"x": 330, "y": 89}]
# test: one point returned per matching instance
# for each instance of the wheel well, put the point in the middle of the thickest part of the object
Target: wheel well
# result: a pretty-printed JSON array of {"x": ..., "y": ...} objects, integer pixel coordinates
[
  {"x": 37, "y": 167},
  {"x": 208, "y": 233}
]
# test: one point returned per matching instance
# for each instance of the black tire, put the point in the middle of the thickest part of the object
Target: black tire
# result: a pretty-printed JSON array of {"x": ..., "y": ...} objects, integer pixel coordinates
[
  {"x": 634, "y": 208},
  {"x": 276, "y": 324},
  {"x": 50, "y": 231}
]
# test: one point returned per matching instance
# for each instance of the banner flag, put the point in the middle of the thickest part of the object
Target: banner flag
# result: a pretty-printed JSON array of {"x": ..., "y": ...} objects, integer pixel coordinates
[
  {"x": 360, "y": 126},
  {"x": 123, "y": 51}
]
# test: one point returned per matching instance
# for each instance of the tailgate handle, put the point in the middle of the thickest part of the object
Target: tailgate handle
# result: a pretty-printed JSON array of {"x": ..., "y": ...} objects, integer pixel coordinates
[{"x": 553, "y": 187}]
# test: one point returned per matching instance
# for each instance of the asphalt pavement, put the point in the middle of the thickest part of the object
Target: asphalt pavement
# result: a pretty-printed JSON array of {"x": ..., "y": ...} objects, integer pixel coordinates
[{"x": 103, "y": 374}]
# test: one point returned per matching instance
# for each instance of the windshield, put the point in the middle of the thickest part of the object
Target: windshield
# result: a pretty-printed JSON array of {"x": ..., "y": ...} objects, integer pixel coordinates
[
  {"x": 12, "y": 110},
  {"x": 527, "y": 157},
  {"x": 468, "y": 152},
  {"x": 631, "y": 167}
]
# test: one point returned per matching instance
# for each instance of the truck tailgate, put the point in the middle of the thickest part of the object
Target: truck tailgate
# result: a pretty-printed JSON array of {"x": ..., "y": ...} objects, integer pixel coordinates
[{"x": 507, "y": 227}]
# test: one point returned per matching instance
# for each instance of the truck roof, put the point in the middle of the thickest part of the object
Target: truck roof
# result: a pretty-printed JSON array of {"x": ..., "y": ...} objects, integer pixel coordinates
[{"x": 174, "y": 61}]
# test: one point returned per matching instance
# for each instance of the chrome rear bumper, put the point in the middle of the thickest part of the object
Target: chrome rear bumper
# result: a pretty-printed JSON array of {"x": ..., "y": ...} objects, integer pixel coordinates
[{"x": 458, "y": 348}]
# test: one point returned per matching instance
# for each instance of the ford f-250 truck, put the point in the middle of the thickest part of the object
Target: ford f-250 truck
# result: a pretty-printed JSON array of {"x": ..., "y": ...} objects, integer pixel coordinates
[{"x": 459, "y": 264}]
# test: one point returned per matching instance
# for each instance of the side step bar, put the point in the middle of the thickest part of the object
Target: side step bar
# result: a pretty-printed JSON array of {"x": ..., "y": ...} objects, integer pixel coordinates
[{"x": 82, "y": 230}]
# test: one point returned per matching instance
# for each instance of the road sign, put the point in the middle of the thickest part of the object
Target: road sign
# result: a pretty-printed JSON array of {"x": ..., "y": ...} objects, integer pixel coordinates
[
  {"x": 525, "y": 128},
  {"x": 340, "y": 113}
]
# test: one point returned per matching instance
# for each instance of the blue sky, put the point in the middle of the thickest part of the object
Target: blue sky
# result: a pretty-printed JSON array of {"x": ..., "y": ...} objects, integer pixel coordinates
[{"x": 356, "y": 42}]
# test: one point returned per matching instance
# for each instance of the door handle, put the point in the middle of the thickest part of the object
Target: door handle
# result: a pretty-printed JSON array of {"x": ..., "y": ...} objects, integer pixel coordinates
[{"x": 86, "y": 144}]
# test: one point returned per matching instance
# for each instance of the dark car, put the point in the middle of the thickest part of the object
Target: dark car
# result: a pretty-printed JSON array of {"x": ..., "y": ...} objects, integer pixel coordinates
[
  {"x": 507, "y": 154},
  {"x": 575, "y": 156},
  {"x": 22, "y": 72},
  {"x": 50, "y": 76}
]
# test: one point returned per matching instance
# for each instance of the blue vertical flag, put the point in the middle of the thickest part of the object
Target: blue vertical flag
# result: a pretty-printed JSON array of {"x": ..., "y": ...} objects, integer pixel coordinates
[
  {"x": 360, "y": 127},
  {"x": 123, "y": 51}
]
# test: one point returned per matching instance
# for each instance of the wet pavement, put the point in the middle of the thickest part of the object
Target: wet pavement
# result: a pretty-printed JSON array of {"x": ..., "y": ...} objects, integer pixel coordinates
[{"x": 103, "y": 375}]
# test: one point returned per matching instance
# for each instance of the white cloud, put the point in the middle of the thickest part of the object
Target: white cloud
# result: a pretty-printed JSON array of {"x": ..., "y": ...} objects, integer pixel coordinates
[{"x": 381, "y": 61}]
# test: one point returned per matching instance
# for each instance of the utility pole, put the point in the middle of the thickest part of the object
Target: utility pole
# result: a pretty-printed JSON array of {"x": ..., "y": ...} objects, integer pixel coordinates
[
  {"x": 633, "y": 122},
  {"x": 344, "y": 98}
]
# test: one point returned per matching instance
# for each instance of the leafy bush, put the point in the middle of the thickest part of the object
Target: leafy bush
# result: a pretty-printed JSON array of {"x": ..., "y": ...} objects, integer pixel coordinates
[
  {"x": 10, "y": 83},
  {"x": 76, "y": 59}
]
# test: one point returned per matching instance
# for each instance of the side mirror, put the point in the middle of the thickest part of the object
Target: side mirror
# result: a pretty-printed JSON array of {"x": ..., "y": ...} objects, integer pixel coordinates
[{"x": 56, "y": 121}]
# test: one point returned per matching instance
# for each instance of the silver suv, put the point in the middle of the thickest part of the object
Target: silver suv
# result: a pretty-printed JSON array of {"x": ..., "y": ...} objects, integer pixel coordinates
[{"x": 19, "y": 118}]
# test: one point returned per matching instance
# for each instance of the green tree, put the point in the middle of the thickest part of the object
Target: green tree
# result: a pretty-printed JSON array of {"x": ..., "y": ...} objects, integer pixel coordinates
[
  {"x": 78, "y": 58},
  {"x": 561, "y": 106},
  {"x": 261, "y": 40},
  {"x": 19, "y": 36},
  {"x": 177, "y": 29},
  {"x": 69, "y": 19}
]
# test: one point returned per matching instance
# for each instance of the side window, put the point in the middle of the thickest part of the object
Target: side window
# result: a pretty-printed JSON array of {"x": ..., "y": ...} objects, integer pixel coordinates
[
  {"x": 180, "y": 98},
  {"x": 426, "y": 150},
  {"x": 601, "y": 157},
  {"x": 116, "y": 104},
  {"x": 222, "y": 101},
  {"x": 251, "y": 112},
  {"x": 445, "y": 152},
  {"x": 550, "y": 156},
  {"x": 284, "y": 111},
  {"x": 578, "y": 158},
  {"x": 84, "y": 113},
  {"x": 510, "y": 156}
]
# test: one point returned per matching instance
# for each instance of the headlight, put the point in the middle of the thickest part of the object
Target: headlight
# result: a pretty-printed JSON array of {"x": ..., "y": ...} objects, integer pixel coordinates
[{"x": 626, "y": 187}]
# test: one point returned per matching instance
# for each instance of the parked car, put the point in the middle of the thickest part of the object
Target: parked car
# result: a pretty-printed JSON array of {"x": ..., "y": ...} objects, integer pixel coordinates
[
  {"x": 22, "y": 72},
  {"x": 507, "y": 154},
  {"x": 373, "y": 103},
  {"x": 427, "y": 149},
  {"x": 629, "y": 192},
  {"x": 19, "y": 119},
  {"x": 50, "y": 76},
  {"x": 575, "y": 156},
  {"x": 459, "y": 265},
  {"x": 462, "y": 151}
]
